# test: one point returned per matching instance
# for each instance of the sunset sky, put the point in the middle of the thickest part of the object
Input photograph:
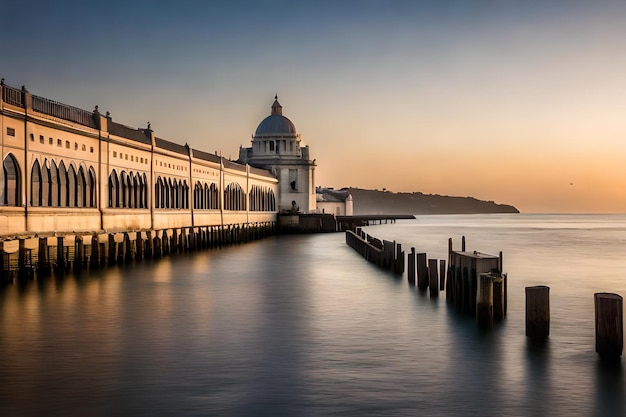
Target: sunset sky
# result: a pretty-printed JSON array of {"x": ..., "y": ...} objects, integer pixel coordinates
[{"x": 520, "y": 102}]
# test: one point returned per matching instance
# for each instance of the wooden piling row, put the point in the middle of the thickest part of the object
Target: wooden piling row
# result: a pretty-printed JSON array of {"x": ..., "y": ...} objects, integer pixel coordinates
[
  {"x": 27, "y": 256},
  {"x": 384, "y": 254}
]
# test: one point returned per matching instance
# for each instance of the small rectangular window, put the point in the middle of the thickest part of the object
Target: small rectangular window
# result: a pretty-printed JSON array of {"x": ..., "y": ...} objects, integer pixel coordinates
[
  {"x": 84, "y": 148},
  {"x": 50, "y": 140},
  {"x": 67, "y": 144},
  {"x": 41, "y": 139},
  {"x": 131, "y": 158},
  {"x": 32, "y": 137},
  {"x": 75, "y": 146},
  {"x": 59, "y": 142},
  {"x": 10, "y": 131},
  {"x": 126, "y": 157},
  {"x": 91, "y": 149},
  {"x": 114, "y": 154}
]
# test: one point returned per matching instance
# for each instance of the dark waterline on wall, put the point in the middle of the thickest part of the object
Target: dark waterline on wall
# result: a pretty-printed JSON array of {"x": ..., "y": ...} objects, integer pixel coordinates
[{"x": 302, "y": 325}]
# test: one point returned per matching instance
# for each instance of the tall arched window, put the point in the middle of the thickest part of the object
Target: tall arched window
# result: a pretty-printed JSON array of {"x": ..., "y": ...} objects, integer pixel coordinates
[
  {"x": 71, "y": 187},
  {"x": 81, "y": 188},
  {"x": 184, "y": 195},
  {"x": 45, "y": 185},
  {"x": 62, "y": 185},
  {"x": 214, "y": 201},
  {"x": 114, "y": 188},
  {"x": 145, "y": 191},
  {"x": 168, "y": 193},
  {"x": 123, "y": 190},
  {"x": 35, "y": 185},
  {"x": 54, "y": 185},
  {"x": 234, "y": 197},
  {"x": 11, "y": 187},
  {"x": 91, "y": 180}
]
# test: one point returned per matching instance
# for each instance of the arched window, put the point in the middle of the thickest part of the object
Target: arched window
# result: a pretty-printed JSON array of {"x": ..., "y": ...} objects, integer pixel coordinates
[
  {"x": 135, "y": 190},
  {"x": 91, "y": 195},
  {"x": 196, "y": 197},
  {"x": 168, "y": 193},
  {"x": 140, "y": 190},
  {"x": 272, "y": 201},
  {"x": 123, "y": 190},
  {"x": 214, "y": 201},
  {"x": 71, "y": 187},
  {"x": 114, "y": 186},
  {"x": 11, "y": 186},
  {"x": 234, "y": 197},
  {"x": 54, "y": 185},
  {"x": 185, "y": 195},
  {"x": 63, "y": 185},
  {"x": 158, "y": 193},
  {"x": 145, "y": 191},
  {"x": 81, "y": 187},
  {"x": 45, "y": 185},
  {"x": 35, "y": 185}
]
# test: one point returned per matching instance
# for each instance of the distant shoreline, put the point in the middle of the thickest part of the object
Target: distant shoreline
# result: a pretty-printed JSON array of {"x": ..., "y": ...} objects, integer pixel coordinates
[{"x": 417, "y": 203}]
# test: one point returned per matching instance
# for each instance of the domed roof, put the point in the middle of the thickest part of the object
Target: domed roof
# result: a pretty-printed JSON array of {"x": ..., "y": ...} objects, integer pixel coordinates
[{"x": 276, "y": 123}]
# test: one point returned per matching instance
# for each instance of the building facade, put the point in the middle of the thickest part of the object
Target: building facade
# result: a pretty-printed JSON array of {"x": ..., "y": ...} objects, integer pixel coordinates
[
  {"x": 68, "y": 170},
  {"x": 277, "y": 146}
]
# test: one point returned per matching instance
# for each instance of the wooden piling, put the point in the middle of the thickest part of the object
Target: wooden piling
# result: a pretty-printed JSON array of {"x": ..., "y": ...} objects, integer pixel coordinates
[
  {"x": 422, "y": 271},
  {"x": 411, "y": 267},
  {"x": 434, "y": 278},
  {"x": 538, "y": 312},
  {"x": 609, "y": 325},
  {"x": 484, "y": 302},
  {"x": 463, "y": 244},
  {"x": 442, "y": 274},
  {"x": 498, "y": 299}
]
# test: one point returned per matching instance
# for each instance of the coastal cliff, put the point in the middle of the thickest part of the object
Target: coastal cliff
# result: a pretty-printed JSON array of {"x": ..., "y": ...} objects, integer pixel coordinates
[{"x": 386, "y": 202}]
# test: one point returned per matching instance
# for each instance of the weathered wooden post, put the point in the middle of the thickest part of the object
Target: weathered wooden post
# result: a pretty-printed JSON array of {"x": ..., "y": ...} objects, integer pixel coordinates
[
  {"x": 463, "y": 244},
  {"x": 609, "y": 325},
  {"x": 422, "y": 271},
  {"x": 538, "y": 312},
  {"x": 484, "y": 302},
  {"x": 399, "y": 260},
  {"x": 434, "y": 279},
  {"x": 411, "y": 267},
  {"x": 442, "y": 274},
  {"x": 498, "y": 298}
]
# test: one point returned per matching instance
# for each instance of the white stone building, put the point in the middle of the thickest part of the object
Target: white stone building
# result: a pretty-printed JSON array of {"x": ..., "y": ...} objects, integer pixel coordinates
[{"x": 277, "y": 146}]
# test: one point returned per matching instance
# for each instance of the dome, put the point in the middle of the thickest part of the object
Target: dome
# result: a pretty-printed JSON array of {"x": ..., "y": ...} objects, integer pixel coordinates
[{"x": 276, "y": 123}]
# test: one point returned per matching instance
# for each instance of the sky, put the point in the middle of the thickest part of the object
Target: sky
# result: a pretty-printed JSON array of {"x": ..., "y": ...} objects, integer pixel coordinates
[{"x": 518, "y": 102}]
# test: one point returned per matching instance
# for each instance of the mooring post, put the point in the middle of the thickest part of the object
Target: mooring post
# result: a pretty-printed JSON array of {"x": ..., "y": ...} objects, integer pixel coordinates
[
  {"x": 609, "y": 325},
  {"x": 434, "y": 279},
  {"x": 442, "y": 274},
  {"x": 463, "y": 244},
  {"x": 422, "y": 271},
  {"x": 411, "y": 267},
  {"x": 498, "y": 298},
  {"x": 484, "y": 302},
  {"x": 538, "y": 312}
]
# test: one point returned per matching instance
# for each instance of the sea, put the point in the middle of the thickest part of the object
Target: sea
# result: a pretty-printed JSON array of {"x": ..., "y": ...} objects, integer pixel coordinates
[{"x": 301, "y": 325}]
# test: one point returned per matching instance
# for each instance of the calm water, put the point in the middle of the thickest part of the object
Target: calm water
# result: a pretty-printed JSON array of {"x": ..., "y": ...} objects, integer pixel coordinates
[{"x": 301, "y": 325}]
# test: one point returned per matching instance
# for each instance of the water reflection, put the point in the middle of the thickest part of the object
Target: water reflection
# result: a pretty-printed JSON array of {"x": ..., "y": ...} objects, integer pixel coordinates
[{"x": 297, "y": 325}]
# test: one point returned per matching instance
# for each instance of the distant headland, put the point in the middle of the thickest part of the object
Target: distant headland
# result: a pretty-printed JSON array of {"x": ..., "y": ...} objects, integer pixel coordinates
[{"x": 386, "y": 202}]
